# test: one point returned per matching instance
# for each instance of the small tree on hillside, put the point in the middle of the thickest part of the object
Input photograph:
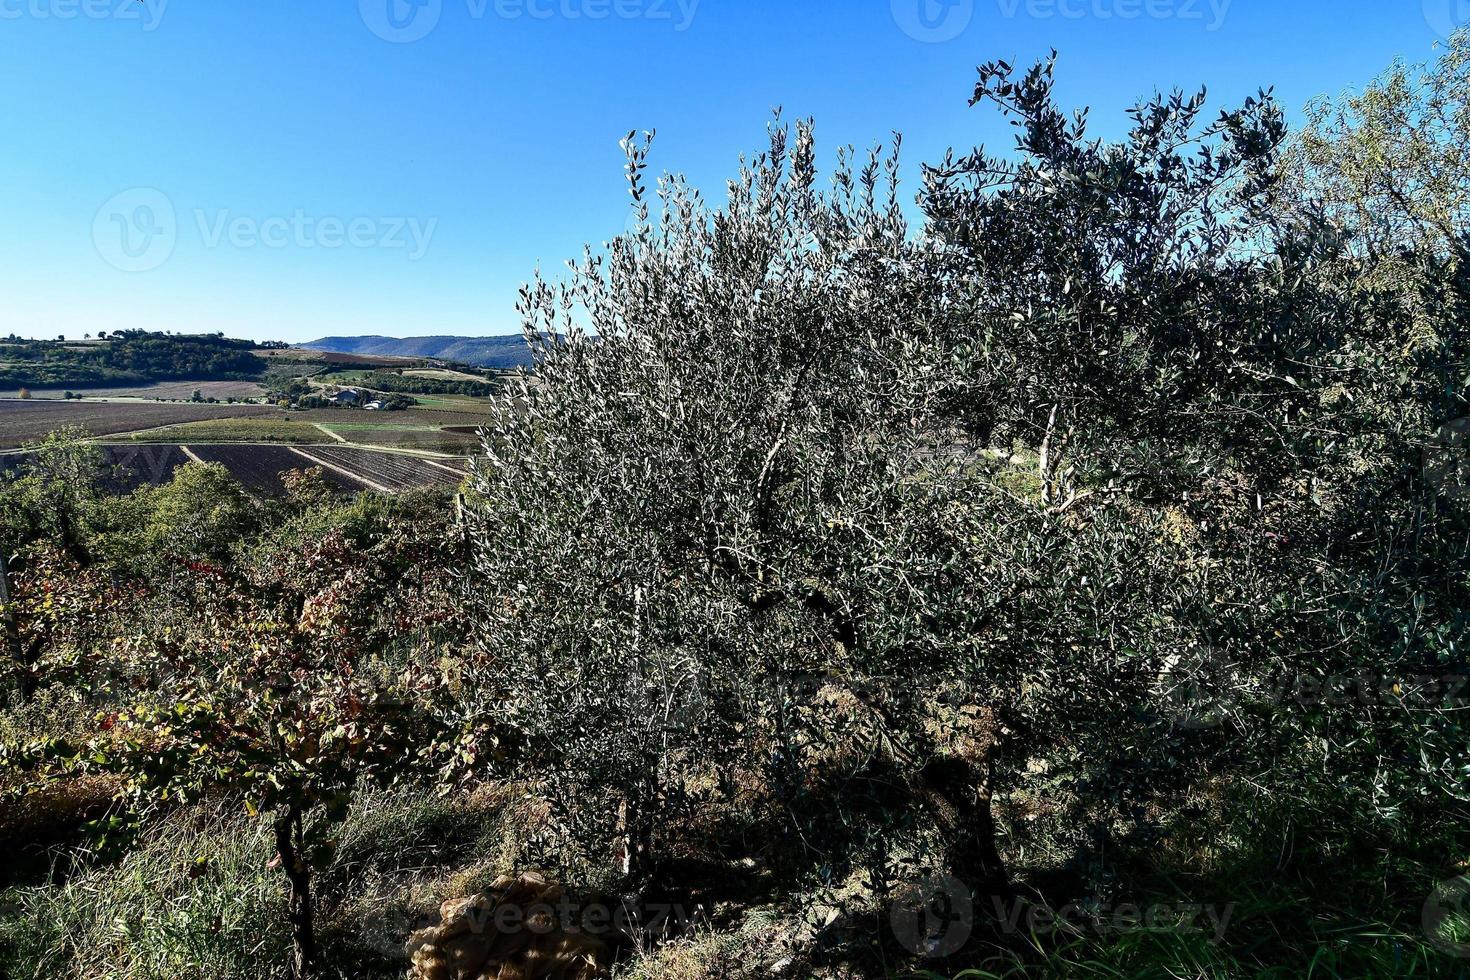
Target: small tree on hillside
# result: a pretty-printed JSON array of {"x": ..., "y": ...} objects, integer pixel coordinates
[
  {"x": 59, "y": 483},
  {"x": 286, "y": 681}
]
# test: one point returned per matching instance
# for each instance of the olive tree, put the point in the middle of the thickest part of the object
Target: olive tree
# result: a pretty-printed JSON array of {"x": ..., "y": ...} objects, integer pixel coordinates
[
  {"x": 722, "y": 489},
  {"x": 1390, "y": 165},
  {"x": 1174, "y": 342},
  {"x": 740, "y": 519}
]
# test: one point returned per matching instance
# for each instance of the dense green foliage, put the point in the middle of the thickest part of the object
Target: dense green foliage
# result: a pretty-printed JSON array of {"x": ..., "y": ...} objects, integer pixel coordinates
[
  {"x": 419, "y": 385},
  {"x": 1099, "y": 549},
  {"x": 127, "y": 357}
]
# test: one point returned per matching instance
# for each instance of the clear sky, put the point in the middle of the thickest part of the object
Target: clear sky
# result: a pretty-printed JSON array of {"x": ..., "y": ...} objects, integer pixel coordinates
[{"x": 289, "y": 169}]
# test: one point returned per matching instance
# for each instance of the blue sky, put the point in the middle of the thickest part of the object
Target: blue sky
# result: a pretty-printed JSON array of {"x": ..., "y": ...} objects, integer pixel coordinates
[{"x": 295, "y": 168}]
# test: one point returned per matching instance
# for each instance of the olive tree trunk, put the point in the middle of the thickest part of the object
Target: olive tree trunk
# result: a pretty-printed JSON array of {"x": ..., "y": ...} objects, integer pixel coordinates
[{"x": 959, "y": 797}]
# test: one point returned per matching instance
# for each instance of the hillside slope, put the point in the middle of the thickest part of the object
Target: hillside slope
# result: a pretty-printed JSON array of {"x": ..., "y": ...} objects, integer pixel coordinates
[{"x": 489, "y": 352}]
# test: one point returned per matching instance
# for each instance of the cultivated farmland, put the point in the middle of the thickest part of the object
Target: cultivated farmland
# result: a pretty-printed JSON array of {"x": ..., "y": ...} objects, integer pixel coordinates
[
  {"x": 390, "y": 471},
  {"x": 23, "y": 421},
  {"x": 453, "y": 441},
  {"x": 301, "y": 355},
  {"x": 442, "y": 374},
  {"x": 164, "y": 390},
  {"x": 413, "y": 418},
  {"x": 259, "y": 468},
  {"x": 141, "y": 466},
  {"x": 271, "y": 429}
]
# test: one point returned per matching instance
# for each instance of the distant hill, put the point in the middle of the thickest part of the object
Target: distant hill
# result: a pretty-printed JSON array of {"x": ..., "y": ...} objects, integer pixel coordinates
[
  {"x": 127, "y": 357},
  {"x": 487, "y": 352}
]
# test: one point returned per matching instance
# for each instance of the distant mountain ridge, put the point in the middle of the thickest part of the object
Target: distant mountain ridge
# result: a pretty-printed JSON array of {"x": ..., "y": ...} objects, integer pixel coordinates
[{"x": 500, "y": 353}]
